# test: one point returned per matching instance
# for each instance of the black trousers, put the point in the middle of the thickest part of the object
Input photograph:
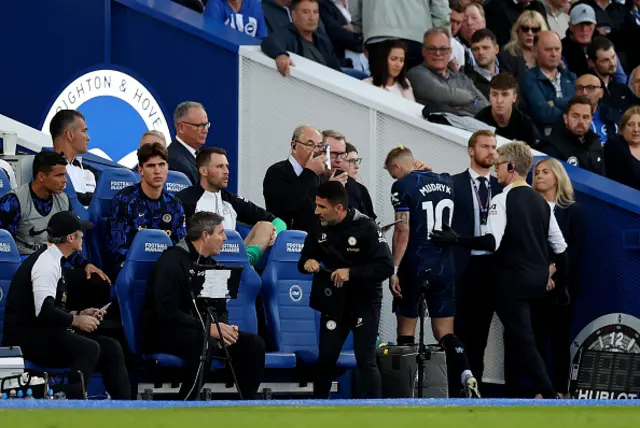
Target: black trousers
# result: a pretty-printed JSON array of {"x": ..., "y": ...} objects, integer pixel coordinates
[
  {"x": 247, "y": 356},
  {"x": 333, "y": 333},
  {"x": 552, "y": 330},
  {"x": 80, "y": 352},
  {"x": 475, "y": 306},
  {"x": 520, "y": 344}
]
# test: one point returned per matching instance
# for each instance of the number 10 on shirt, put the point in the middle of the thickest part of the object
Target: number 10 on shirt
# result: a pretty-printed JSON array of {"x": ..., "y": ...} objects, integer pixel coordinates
[{"x": 435, "y": 214}]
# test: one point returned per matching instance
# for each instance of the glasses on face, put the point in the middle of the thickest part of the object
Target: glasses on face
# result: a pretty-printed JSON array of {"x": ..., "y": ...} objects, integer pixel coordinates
[
  {"x": 590, "y": 89},
  {"x": 341, "y": 155},
  {"x": 312, "y": 145},
  {"x": 527, "y": 29},
  {"x": 435, "y": 50},
  {"x": 199, "y": 126},
  {"x": 356, "y": 161},
  {"x": 498, "y": 163}
]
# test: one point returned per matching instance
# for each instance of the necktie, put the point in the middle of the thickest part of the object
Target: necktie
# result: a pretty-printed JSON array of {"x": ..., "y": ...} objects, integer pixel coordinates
[{"x": 483, "y": 192}]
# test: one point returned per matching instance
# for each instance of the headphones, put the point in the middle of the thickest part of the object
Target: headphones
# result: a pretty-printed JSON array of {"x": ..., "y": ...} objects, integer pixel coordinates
[{"x": 510, "y": 167}]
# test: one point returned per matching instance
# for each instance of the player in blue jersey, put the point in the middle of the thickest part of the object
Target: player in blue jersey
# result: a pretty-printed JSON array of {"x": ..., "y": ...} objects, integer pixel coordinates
[{"x": 423, "y": 202}]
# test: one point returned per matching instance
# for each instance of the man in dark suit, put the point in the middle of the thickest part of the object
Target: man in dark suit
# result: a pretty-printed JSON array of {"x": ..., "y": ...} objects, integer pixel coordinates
[
  {"x": 192, "y": 126},
  {"x": 473, "y": 190},
  {"x": 290, "y": 186}
]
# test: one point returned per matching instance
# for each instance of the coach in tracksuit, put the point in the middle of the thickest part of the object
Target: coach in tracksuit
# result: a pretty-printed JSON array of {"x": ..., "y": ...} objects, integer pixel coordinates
[
  {"x": 520, "y": 229},
  {"x": 349, "y": 245}
]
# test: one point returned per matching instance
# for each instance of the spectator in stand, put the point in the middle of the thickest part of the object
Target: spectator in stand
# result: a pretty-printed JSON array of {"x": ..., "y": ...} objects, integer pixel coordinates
[
  {"x": 634, "y": 81},
  {"x": 388, "y": 71},
  {"x": 456, "y": 62},
  {"x": 353, "y": 162},
  {"x": 243, "y": 15},
  {"x": 302, "y": 38},
  {"x": 290, "y": 186},
  {"x": 502, "y": 14},
  {"x": 573, "y": 141},
  {"x": 473, "y": 21},
  {"x": 439, "y": 88},
  {"x": 609, "y": 15},
  {"x": 347, "y": 42},
  {"x": 151, "y": 137},
  {"x": 192, "y": 127},
  {"x": 630, "y": 34},
  {"x": 582, "y": 24},
  {"x": 551, "y": 321},
  {"x": 557, "y": 16},
  {"x": 523, "y": 34},
  {"x": 277, "y": 14},
  {"x": 604, "y": 62},
  {"x": 548, "y": 87},
  {"x": 145, "y": 205},
  {"x": 381, "y": 20},
  {"x": 503, "y": 114},
  {"x": 489, "y": 61},
  {"x": 357, "y": 199},
  {"x": 622, "y": 153},
  {"x": 605, "y": 118},
  {"x": 70, "y": 138}
]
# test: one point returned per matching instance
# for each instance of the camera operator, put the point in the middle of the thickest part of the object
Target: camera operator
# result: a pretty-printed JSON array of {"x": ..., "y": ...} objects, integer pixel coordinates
[
  {"x": 349, "y": 245},
  {"x": 172, "y": 325}
]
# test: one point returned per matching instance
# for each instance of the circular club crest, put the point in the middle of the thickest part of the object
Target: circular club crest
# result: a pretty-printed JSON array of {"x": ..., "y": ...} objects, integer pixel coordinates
[
  {"x": 614, "y": 332},
  {"x": 166, "y": 218},
  {"x": 573, "y": 161},
  {"x": 295, "y": 293},
  {"x": 118, "y": 110},
  {"x": 328, "y": 292},
  {"x": 352, "y": 241},
  {"x": 331, "y": 325}
]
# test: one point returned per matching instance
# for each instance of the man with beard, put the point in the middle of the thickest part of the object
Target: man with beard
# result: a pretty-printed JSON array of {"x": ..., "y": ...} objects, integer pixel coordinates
[
  {"x": 605, "y": 117},
  {"x": 573, "y": 141}
]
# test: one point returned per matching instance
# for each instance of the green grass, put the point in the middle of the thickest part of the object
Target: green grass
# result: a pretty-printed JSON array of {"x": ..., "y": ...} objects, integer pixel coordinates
[{"x": 329, "y": 417}]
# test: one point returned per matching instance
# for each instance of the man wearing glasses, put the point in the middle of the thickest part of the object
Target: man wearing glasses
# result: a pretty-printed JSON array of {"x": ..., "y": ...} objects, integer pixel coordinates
[
  {"x": 605, "y": 117},
  {"x": 290, "y": 186},
  {"x": 192, "y": 126},
  {"x": 439, "y": 88}
]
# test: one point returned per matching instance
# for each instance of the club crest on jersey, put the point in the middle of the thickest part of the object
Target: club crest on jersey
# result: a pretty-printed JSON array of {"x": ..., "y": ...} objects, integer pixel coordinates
[
  {"x": 352, "y": 241},
  {"x": 166, "y": 218},
  {"x": 573, "y": 161}
]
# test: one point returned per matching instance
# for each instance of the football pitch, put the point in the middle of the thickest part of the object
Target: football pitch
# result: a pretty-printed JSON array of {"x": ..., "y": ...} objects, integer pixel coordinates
[{"x": 327, "y": 417}]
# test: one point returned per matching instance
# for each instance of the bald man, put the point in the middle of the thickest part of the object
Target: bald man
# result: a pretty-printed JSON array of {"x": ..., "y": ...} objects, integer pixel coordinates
[
  {"x": 153, "y": 136},
  {"x": 290, "y": 186},
  {"x": 634, "y": 81},
  {"x": 548, "y": 87},
  {"x": 605, "y": 117}
]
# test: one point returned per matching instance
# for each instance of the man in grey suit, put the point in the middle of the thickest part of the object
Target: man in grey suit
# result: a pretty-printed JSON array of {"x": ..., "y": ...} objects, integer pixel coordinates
[{"x": 192, "y": 126}]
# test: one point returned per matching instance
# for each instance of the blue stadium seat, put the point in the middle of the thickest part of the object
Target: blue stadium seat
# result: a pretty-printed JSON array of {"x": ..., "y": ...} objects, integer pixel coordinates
[
  {"x": 9, "y": 262},
  {"x": 293, "y": 325},
  {"x": 111, "y": 181},
  {"x": 176, "y": 181},
  {"x": 242, "y": 311},
  {"x": 131, "y": 286},
  {"x": 5, "y": 184}
]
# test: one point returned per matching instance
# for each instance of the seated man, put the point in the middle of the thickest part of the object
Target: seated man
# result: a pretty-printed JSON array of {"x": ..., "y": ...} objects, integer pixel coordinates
[
  {"x": 504, "y": 115},
  {"x": 170, "y": 323},
  {"x": 439, "y": 88},
  {"x": 211, "y": 195},
  {"x": 573, "y": 141},
  {"x": 69, "y": 133},
  {"x": 25, "y": 213},
  {"x": 36, "y": 318},
  {"x": 151, "y": 137},
  {"x": 192, "y": 127},
  {"x": 145, "y": 205},
  {"x": 302, "y": 38}
]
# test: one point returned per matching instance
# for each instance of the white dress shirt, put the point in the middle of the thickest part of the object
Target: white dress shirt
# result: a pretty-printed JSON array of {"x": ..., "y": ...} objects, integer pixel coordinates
[{"x": 478, "y": 229}]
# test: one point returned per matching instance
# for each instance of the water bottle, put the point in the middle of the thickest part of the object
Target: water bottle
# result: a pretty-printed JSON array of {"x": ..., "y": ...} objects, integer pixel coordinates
[
  {"x": 29, "y": 394},
  {"x": 12, "y": 393},
  {"x": 20, "y": 394},
  {"x": 5, "y": 396},
  {"x": 50, "y": 394}
]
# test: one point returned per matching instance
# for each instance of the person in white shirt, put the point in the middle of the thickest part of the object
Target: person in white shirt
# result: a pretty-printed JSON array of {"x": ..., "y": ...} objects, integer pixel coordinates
[
  {"x": 192, "y": 127},
  {"x": 388, "y": 69},
  {"x": 70, "y": 136}
]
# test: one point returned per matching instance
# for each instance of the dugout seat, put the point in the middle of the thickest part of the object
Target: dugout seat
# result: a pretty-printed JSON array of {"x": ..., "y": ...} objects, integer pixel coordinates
[
  {"x": 10, "y": 261},
  {"x": 111, "y": 181},
  {"x": 293, "y": 325},
  {"x": 5, "y": 184},
  {"x": 131, "y": 286},
  {"x": 176, "y": 181},
  {"x": 242, "y": 311}
]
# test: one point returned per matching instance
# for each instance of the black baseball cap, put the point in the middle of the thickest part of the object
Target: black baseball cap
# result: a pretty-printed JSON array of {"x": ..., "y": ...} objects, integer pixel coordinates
[{"x": 65, "y": 223}]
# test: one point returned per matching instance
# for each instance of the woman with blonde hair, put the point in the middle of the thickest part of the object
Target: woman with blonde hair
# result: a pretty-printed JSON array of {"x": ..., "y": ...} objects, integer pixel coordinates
[
  {"x": 551, "y": 318},
  {"x": 523, "y": 34}
]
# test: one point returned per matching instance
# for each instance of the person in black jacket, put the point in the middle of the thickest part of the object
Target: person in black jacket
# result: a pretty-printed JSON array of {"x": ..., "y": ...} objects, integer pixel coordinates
[
  {"x": 192, "y": 127},
  {"x": 605, "y": 116},
  {"x": 340, "y": 30},
  {"x": 301, "y": 38},
  {"x": 349, "y": 245},
  {"x": 504, "y": 115},
  {"x": 36, "y": 318},
  {"x": 573, "y": 141},
  {"x": 352, "y": 166},
  {"x": 290, "y": 186},
  {"x": 552, "y": 321},
  {"x": 210, "y": 195},
  {"x": 171, "y": 324}
]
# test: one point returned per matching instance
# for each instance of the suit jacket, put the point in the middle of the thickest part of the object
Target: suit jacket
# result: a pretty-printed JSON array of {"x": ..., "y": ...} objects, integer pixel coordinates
[
  {"x": 180, "y": 159},
  {"x": 572, "y": 223},
  {"x": 463, "y": 214}
]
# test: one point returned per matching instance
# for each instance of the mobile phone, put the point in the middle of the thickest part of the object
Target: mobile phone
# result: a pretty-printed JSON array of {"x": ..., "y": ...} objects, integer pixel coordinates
[
  {"x": 338, "y": 172},
  {"x": 105, "y": 307}
]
